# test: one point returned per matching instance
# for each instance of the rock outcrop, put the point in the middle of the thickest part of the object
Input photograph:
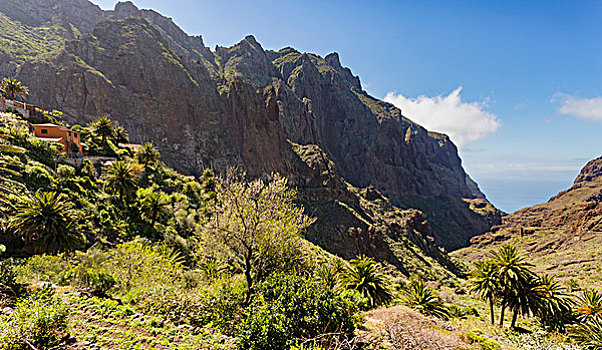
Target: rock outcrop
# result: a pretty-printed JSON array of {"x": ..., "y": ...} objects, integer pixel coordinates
[{"x": 239, "y": 106}]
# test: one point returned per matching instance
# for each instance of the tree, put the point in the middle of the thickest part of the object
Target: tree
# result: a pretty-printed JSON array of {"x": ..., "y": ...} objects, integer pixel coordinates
[
  {"x": 588, "y": 334},
  {"x": 8, "y": 186},
  {"x": 121, "y": 135},
  {"x": 557, "y": 305},
  {"x": 589, "y": 305},
  {"x": 484, "y": 281},
  {"x": 153, "y": 205},
  {"x": 49, "y": 221},
  {"x": 13, "y": 88},
  {"x": 122, "y": 178},
  {"x": 512, "y": 271},
  {"x": 424, "y": 300},
  {"x": 525, "y": 298},
  {"x": 103, "y": 127},
  {"x": 257, "y": 222},
  {"x": 148, "y": 154},
  {"x": 363, "y": 275}
]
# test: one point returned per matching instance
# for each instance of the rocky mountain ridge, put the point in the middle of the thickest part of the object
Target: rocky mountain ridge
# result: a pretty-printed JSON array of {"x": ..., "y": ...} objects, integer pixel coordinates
[
  {"x": 564, "y": 234},
  {"x": 238, "y": 106}
]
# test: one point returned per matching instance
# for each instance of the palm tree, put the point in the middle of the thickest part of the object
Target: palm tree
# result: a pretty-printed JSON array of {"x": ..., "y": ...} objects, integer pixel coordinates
[
  {"x": 122, "y": 178},
  {"x": 526, "y": 298},
  {"x": 557, "y": 303},
  {"x": 329, "y": 274},
  {"x": 153, "y": 205},
  {"x": 512, "y": 271},
  {"x": 47, "y": 220},
  {"x": 424, "y": 300},
  {"x": 13, "y": 88},
  {"x": 588, "y": 334},
  {"x": 589, "y": 305},
  {"x": 148, "y": 154},
  {"x": 364, "y": 276},
  {"x": 484, "y": 281},
  {"x": 104, "y": 128},
  {"x": 121, "y": 135}
]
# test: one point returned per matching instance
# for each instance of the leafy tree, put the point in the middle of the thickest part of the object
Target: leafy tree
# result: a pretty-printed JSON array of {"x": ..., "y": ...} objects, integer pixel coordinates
[
  {"x": 363, "y": 274},
  {"x": 122, "y": 178},
  {"x": 148, "y": 154},
  {"x": 153, "y": 205},
  {"x": 484, "y": 281},
  {"x": 256, "y": 222},
  {"x": 424, "y": 300},
  {"x": 103, "y": 127},
  {"x": 330, "y": 274},
  {"x": 48, "y": 220},
  {"x": 512, "y": 271},
  {"x": 8, "y": 186},
  {"x": 13, "y": 88}
]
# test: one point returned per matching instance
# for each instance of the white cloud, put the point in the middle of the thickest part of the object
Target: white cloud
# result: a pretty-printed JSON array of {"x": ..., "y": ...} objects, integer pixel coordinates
[
  {"x": 583, "y": 108},
  {"x": 464, "y": 122}
]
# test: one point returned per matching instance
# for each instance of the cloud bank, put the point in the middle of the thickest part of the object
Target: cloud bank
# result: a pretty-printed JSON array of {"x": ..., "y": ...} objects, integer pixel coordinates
[
  {"x": 464, "y": 122},
  {"x": 582, "y": 108}
]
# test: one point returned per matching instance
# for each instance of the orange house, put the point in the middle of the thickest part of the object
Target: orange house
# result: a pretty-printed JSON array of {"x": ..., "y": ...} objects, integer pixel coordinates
[{"x": 71, "y": 140}]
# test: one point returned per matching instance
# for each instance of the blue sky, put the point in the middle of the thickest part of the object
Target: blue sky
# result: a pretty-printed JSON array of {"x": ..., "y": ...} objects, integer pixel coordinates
[{"x": 528, "y": 115}]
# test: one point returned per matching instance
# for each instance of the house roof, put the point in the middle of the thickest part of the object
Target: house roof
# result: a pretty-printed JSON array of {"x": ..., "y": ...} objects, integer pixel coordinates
[
  {"x": 50, "y": 139},
  {"x": 49, "y": 125}
]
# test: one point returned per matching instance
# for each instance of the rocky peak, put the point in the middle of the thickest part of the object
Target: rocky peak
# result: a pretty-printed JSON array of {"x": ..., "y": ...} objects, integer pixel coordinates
[
  {"x": 126, "y": 8},
  {"x": 590, "y": 173}
]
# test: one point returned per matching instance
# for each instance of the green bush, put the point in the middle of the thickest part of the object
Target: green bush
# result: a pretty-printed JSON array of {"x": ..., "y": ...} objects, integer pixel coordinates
[
  {"x": 47, "y": 268},
  {"x": 294, "y": 307},
  {"x": 9, "y": 284},
  {"x": 40, "y": 320},
  {"x": 37, "y": 176}
]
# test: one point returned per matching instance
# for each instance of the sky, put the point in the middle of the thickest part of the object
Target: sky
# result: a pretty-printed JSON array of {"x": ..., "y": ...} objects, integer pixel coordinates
[{"x": 516, "y": 84}]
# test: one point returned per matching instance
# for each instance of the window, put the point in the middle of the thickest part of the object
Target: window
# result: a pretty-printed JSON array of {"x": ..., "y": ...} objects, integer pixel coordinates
[
  {"x": 69, "y": 133},
  {"x": 75, "y": 135},
  {"x": 44, "y": 131}
]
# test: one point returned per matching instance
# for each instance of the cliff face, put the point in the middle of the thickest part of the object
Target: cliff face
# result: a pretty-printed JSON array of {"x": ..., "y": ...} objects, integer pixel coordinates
[{"x": 238, "y": 106}]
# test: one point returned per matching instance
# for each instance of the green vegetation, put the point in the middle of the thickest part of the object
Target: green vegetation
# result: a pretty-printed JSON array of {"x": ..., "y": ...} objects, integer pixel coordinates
[{"x": 13, "y": 88}]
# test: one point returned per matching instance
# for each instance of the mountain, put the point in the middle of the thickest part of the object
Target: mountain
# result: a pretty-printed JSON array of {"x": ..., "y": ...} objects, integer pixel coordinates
[
  {"x": 243, "y": 106},
  {"x": 564, "y": 234}
]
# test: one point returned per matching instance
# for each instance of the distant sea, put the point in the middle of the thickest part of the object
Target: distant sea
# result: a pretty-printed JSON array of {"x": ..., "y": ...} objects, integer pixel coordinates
[{"x": 510, "y": 195}]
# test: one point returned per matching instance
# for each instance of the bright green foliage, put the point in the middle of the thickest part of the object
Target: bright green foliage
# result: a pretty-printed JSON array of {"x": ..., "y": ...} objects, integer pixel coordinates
[
  {"x": 363, "y": 274},
  {"x": 122, "y": 178},
  {"x": 121, "y": 135},
  {"x": 13, "y": 88},
  {"x": 424, "y": 300},
  {"x": 290, "y": 308},
  {"x": 135, "y": 264},
  {"x": 37, "y": 176},
  {"x": 484, "y": 281},
  {"x": 148, "y": 154},
  {"x": 48, "y": 220},
  {"x": 38, "y": 321}
]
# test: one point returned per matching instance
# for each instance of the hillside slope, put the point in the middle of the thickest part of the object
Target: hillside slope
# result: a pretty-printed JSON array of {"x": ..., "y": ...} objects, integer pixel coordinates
[
  {"x": 238, "y": 106},
  {"x": 564, "y": 234}
]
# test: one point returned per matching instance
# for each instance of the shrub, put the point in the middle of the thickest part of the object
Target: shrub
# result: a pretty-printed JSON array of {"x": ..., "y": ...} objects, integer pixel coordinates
[
  {"x": 8, "y": 279},
  {"x": 37, "y": 176},
  {"x": 46, "y": 268},
  {"x": 294, "y": 307},
  {"x": 40, "y": 320}
]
